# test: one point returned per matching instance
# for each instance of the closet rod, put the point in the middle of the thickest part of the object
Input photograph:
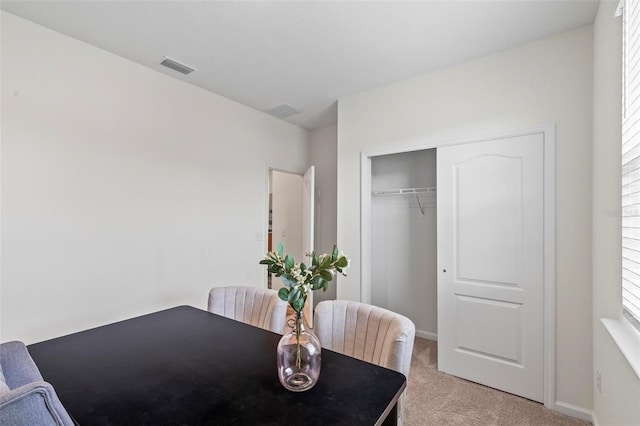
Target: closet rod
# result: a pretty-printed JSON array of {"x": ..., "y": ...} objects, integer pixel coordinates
[{"x": 404, "y": 191}]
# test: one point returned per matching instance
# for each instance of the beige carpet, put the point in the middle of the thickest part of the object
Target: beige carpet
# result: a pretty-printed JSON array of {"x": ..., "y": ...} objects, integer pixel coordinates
[{"x": 435, "y": 398}]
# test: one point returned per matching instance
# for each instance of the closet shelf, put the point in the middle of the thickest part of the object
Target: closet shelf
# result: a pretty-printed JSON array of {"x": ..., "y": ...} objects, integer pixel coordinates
[
  {"x": 405, "y": 191},
  {"x": 431, "y": 191}
]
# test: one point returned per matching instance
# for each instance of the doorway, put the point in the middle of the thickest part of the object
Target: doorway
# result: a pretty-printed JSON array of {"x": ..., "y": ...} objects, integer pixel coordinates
[
  {"x": 469, "y": 324},
  {"x": 291, "y": 213},
  {"x": 285, "y": 216}
]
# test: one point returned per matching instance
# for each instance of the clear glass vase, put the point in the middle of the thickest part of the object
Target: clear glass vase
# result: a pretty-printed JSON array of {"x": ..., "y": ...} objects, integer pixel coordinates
[{"x": 298, "y": 357}]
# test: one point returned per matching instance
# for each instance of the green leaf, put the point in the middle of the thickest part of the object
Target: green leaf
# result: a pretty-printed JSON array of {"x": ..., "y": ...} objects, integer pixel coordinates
[
  {"x": 314, "y": 259},
  {"x": 283, "y": 294},
  {"x": 281, "y": 249},
  {"x": 266, "y": 262},
  {"x": 335, "y": 253},
  {"x": 326, "y": 275},
  {"x": 298, "y": 304},
  {"x": 288, "y": 281},
  {"x": 303, "y": 267},
  {"x": 325, "y": 285},
  {"x": 294, "y": 294},
  {"x": 317, "y": 282},
  {"x": 325, "y": 263},
  {"x": 288, "y": 263},
  {"x": 342, "y": 262}
]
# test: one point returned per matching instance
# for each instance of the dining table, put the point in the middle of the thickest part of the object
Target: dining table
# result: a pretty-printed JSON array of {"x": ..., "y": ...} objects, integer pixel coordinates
[{"x": 187, "y": 366}]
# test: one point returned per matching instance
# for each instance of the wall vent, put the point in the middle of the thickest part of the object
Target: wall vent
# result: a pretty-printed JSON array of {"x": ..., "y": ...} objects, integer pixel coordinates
[
  {"x": 177, "y": 66},
  {"x": 282, "y": 111}
]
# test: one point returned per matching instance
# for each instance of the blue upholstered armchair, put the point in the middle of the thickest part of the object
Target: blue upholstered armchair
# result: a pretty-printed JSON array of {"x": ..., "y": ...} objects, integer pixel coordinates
[{"x": 25, "y": 399}]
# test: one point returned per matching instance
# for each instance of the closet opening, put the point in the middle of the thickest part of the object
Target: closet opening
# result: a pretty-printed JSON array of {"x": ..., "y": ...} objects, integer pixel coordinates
[{"x": 403, "y": 229}]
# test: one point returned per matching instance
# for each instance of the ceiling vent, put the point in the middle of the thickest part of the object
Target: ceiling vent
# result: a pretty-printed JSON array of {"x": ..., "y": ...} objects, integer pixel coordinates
[
  {"x": 177, "y": 66},
  {"x": 282, "y": 111}
]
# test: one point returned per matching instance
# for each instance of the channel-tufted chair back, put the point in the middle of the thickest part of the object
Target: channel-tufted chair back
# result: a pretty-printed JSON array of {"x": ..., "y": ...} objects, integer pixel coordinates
[
  {"x": 367, "y": 332},
  {"x": 256, "y": 306}
]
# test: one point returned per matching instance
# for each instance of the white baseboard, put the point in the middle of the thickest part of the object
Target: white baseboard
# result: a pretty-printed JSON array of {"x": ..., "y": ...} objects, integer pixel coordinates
[
  {"x": 574, "y": 411},
  {"x": 427, "y": 335}
]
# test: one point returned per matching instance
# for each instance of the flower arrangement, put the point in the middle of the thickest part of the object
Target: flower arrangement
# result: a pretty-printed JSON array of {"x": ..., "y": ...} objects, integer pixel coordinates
[
  {"x": 298, "y": 372},
  {"x": 299, "y": 279}
]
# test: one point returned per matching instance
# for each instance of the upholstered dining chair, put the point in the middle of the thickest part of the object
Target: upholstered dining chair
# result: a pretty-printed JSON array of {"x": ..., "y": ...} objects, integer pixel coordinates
[
  {"x": 256, "y": 306},
  {"x": 367, "y": 332}
]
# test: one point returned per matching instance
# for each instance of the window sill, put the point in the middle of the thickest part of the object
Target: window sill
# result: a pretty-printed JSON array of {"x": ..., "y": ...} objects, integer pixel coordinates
[{"x": 628, "y": 340}]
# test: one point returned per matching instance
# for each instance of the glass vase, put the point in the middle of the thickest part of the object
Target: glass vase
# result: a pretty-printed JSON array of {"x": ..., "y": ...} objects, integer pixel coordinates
[{"x": 298, "y": 357}]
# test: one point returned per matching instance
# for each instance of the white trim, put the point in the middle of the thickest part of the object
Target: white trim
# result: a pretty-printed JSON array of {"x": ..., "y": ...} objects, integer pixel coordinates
[
  {"x": 265, "y": 224},
  {"x": 550, "y": 265},
  {"x": 627, "y": 338},
  {"x": 427, "y": 335},
  {"x": 420, "y": 144},
  {"x": 365, "y": 228},
  {"x": 594, "y": 419},
  {"x": 548, "y": 131},
  {"x": 574, "y": 411}
]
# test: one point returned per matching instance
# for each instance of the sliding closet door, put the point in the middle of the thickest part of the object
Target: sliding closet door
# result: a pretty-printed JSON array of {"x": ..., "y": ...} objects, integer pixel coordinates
[{"x": 490, "y": 263}]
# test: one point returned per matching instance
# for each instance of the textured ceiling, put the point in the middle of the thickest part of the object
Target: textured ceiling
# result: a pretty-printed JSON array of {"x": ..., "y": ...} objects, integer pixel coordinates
[{"x": 306, "y": 54}]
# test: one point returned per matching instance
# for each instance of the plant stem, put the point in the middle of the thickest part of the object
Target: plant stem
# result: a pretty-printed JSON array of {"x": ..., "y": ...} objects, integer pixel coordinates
[{"x": 298, "y": 321}]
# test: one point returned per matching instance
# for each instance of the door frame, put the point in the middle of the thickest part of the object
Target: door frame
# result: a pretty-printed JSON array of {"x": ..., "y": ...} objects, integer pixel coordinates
[{"x": 548, "y": 132}]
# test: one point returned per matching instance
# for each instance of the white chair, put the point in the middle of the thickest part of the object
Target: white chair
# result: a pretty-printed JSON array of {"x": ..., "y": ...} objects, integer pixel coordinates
[
  {"x": 256, "y": 306},
  {"x": 367, "y": 332}
]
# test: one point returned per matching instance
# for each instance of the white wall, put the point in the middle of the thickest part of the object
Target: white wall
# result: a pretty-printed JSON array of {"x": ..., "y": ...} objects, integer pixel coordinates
[
  {"x": 403, "y": 240},
  {"x": 124, "y": 190},
  {"x": 549, "y": 80},
  {"x": 287, "y": 216},
  {"x": 619, "y": 401},
  {"x": 323, "y": 145}
]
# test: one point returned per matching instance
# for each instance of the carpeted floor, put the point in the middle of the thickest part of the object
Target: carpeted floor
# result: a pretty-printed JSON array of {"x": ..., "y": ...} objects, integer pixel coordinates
[{"x": 435, "y": 398}]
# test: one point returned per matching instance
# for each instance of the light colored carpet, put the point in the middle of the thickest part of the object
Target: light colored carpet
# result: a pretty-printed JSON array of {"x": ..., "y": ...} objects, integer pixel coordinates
[{"x": 435, "y": 398}]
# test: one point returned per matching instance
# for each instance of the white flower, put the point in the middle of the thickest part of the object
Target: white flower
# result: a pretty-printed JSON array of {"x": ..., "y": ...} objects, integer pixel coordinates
[{"x": 348, "y": 261}]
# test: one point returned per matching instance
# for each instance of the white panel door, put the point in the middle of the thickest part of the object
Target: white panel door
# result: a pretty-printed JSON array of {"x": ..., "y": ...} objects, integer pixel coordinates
[
  {"x": 308, "y": 226},
  {"x": 490, "y": 263}
]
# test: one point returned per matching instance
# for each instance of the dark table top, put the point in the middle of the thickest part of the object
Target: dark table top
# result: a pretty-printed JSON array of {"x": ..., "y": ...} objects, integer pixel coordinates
[{"x": 186, "y": 366}]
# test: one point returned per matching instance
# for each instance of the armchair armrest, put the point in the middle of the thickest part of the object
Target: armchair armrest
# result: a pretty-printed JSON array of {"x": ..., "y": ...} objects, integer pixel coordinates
[
  {"x": 17, "y": 365},
  {"x": 33, "y": 404}
]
